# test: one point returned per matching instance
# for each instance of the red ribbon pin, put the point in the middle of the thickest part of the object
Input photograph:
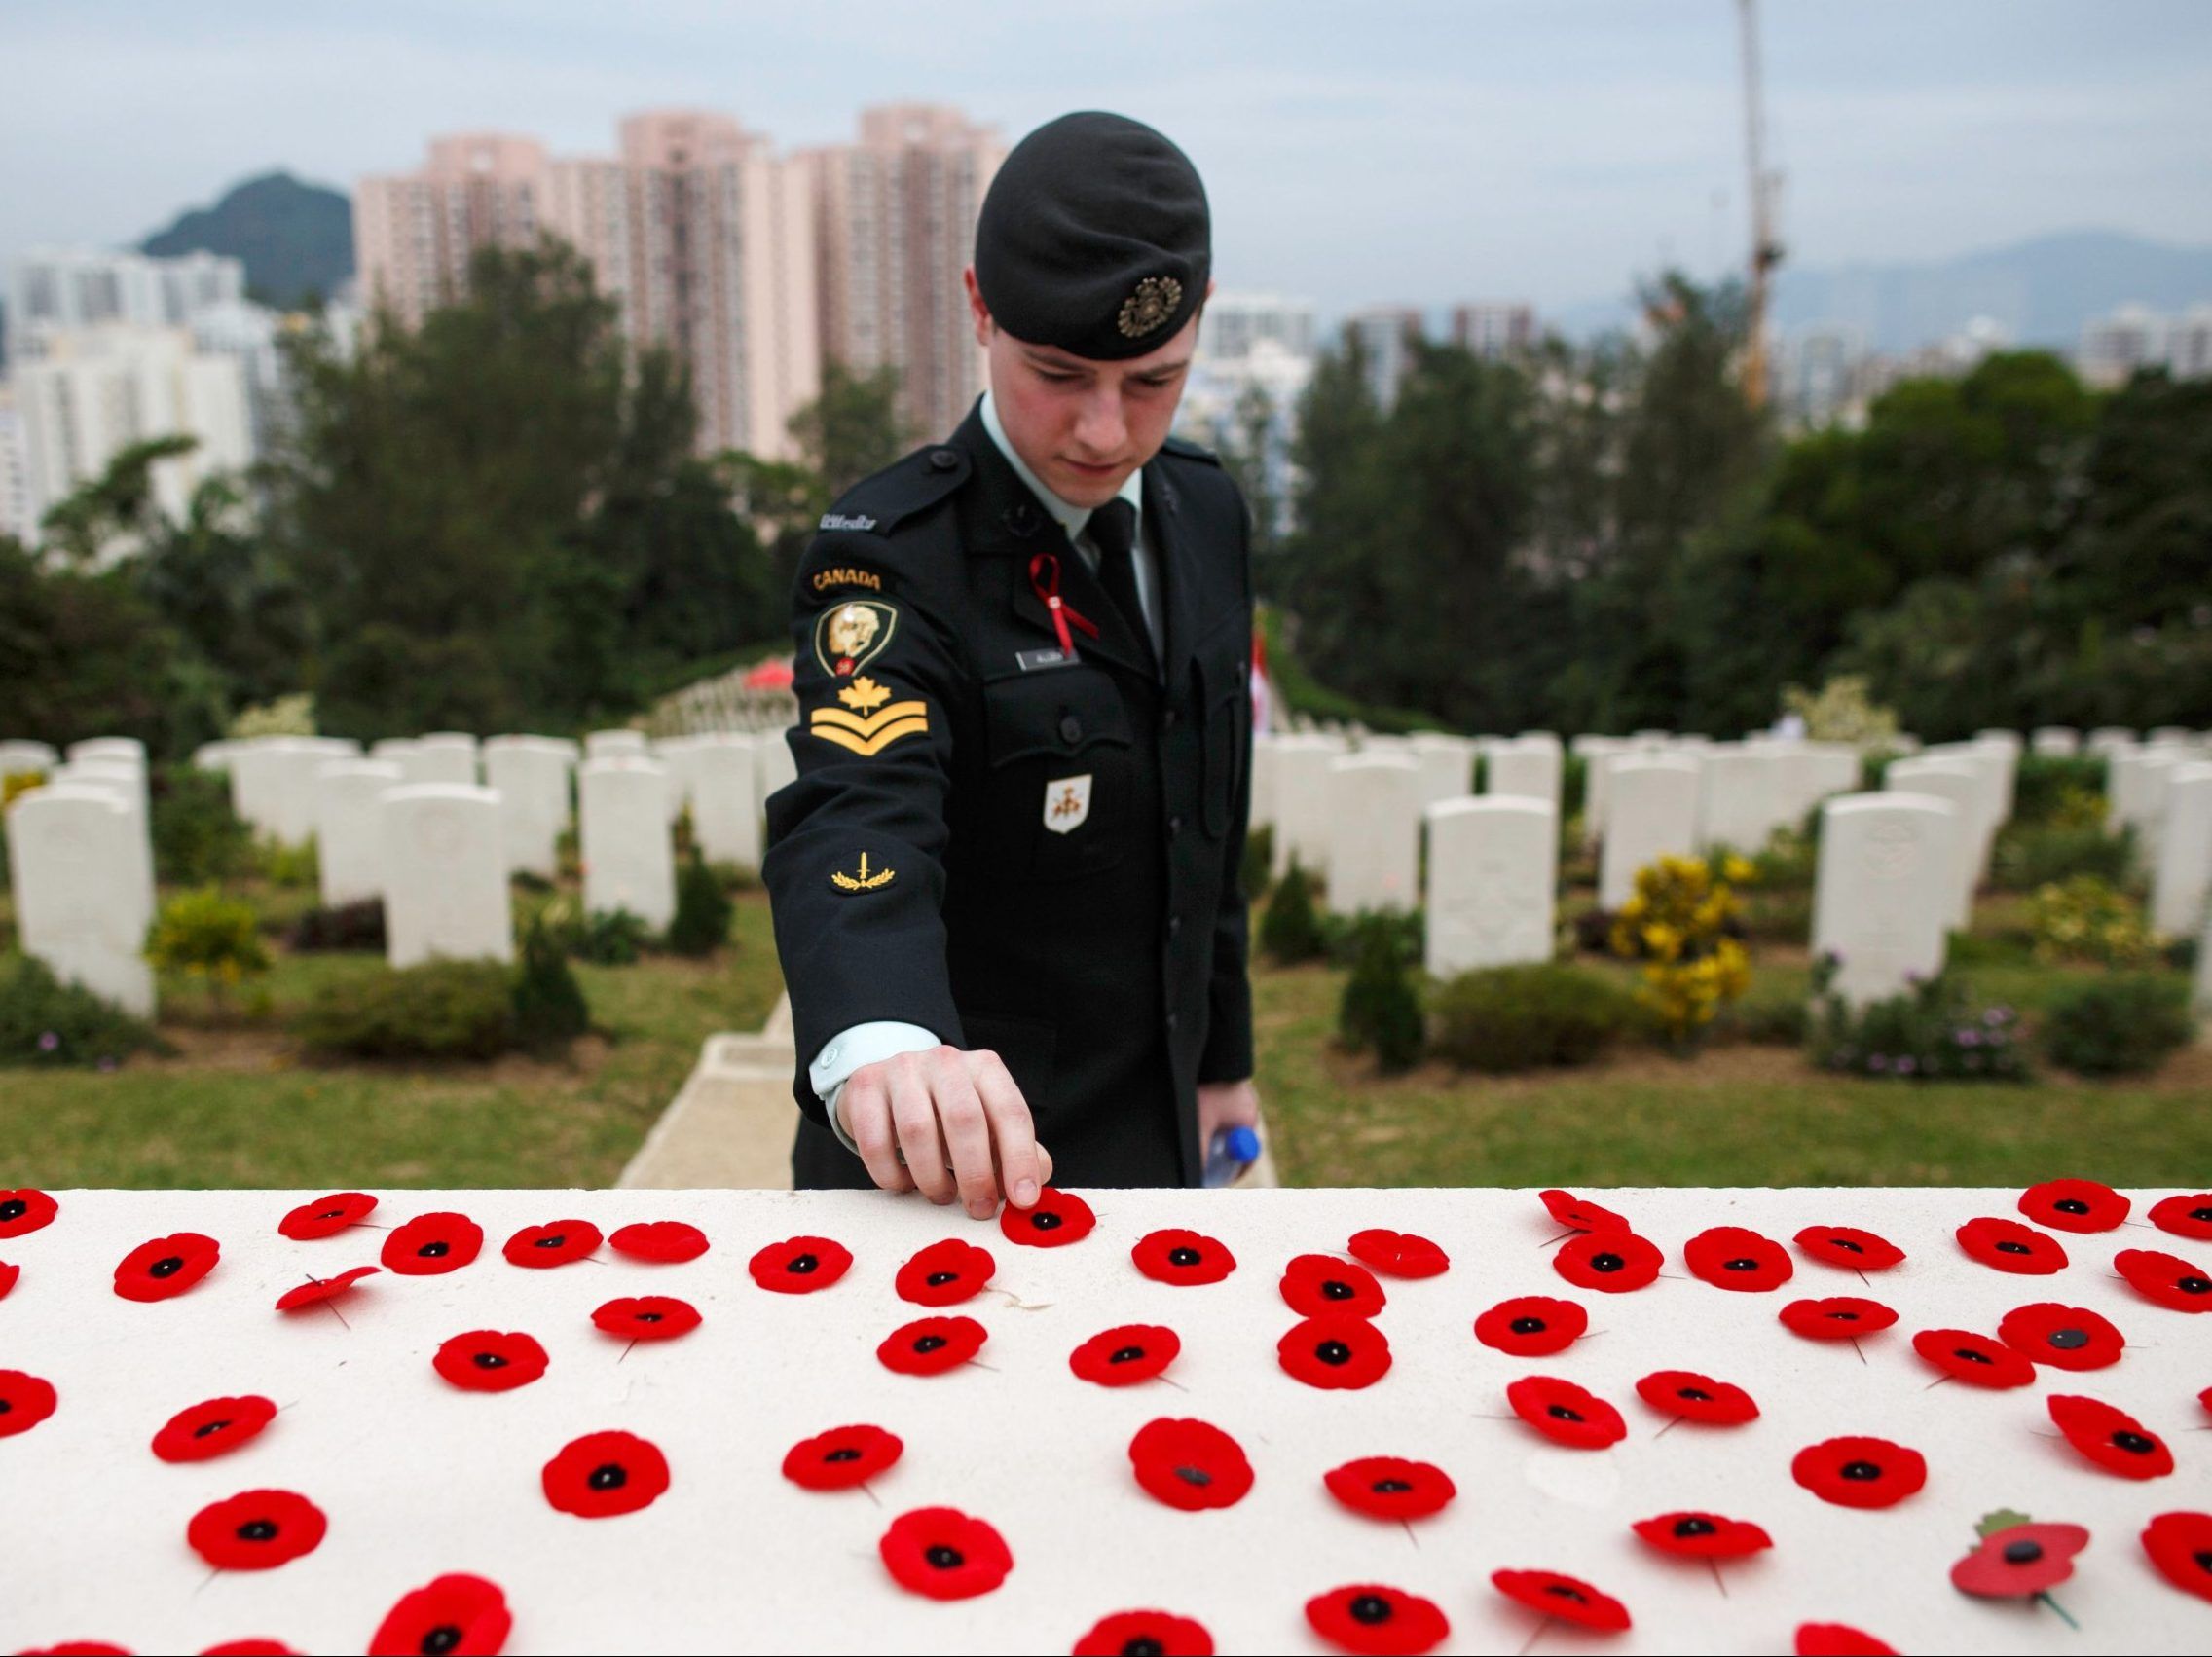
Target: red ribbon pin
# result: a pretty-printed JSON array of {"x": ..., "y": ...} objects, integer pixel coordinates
[{"x": 1045, "y": 581}]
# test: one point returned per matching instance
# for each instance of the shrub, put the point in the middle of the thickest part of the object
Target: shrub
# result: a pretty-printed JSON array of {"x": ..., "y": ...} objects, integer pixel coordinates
[
  {"x": 2029, "y": 855},
  {"x": 284, "y": 865},
  {"x": 44, "y": 1022},
  {"x": 1507, "y": 1019},
  {"x": 2087, "y": 920},
  {"x": 355, "y": 926},
  {"x": 1786, "y": 863},
  {"x": 606, "y": 939},
  {"x": 1782, "y": 1021},
  {"x": 439, "y": 1009},
  {"x": 285, "y": 716},
  {"x": 550, "y": 1003},
  {"x": 1380, "y": 1009},
  {"x": 1290, "y": 932},
  {"x": 703, "y": 910},
  {"x": 736, "y": 877},
  {"x": 1842, "y": 711},
  {"x": 1345, "y": 936},
  {"x": 1258, "y": 858},
  {"x": 198, "y": 839},
  {"x": 1682, "y": 922},
  {"x": 210, "y": 939},
  {"x": 2068, "y": 791},
  {"x": 2121, "y": 1025},
  {"x": 1933, "y": 1032}
]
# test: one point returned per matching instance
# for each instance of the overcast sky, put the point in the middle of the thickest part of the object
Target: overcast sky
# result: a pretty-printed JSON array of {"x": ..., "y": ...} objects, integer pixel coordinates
[{"x": 1426, "y": 151}]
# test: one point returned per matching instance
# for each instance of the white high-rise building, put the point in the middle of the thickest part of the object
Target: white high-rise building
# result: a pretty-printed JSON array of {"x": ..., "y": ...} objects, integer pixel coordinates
[
  {"x": 2117, "y": 344},
  {"x": 53, "y": 288},
  {"x": 1387, "y": 334},
  {"x": 15, "y": 472},
  {"x": 1251, "y": 346}
]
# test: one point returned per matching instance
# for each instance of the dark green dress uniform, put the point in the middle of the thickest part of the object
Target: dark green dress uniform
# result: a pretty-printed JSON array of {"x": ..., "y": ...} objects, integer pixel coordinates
[{"x": 920, "y": 868}]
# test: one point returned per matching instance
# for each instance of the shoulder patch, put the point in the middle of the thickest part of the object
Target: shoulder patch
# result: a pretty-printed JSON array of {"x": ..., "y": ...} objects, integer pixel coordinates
[
  {"x": 1189, "y": 451},
  {"x": 848, "y": 636},
  {"x": 834, "y": 576},
  {"x": 914, "y": 484}
]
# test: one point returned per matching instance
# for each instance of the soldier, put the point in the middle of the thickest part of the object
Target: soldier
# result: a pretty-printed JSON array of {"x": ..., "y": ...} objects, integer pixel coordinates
[{"x": 1006, "y": 881}]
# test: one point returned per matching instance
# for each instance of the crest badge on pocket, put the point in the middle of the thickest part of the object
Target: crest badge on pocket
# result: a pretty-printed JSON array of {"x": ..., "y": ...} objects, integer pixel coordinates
[{"x": 1067, "y": 803}]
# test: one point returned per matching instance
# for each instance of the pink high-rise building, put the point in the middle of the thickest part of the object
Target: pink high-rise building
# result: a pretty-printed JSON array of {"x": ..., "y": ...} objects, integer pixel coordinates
[{"x": 414, "y": 232}]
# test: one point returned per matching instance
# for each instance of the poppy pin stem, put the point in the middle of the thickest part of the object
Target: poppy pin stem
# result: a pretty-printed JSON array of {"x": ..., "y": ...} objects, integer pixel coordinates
[
  {"x": 1717, "y": 1581},
  {"x": 1176, "y": 1384},
  {"x": 627, "y": 1350},
  {"x": 1863, "y": 1278},
  {"x": 2060, "y": 1609},
  {"x": 1561, "y": 1237},
  {"x": 341, "y": 1317},
  {"x": 1530, "y": 1643},
  {"x": 211, "y": 1575},
  {"x": 1857, "y": 1348},
  {"x": 1670, "y": 1427},
  {"x": 870, "y": 1495},
  {"x": 980, "y": 1364},
  {"x": 1673, "y": 1277},
  {"x": 1938, "y": 1381},
  {"x": 1410, "y": 1536}
]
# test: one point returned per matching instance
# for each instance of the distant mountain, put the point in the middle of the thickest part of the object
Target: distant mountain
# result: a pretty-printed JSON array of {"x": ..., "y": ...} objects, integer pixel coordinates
[
  {"x": 296, "y": 238},
  {"x": 2039, "y": 291}
]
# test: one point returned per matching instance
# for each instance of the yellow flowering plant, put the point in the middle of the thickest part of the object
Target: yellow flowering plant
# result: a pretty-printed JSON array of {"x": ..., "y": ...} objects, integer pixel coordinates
[{"x": 1680, "y": 922}]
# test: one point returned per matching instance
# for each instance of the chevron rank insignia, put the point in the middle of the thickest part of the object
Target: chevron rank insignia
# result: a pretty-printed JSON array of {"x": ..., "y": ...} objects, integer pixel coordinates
[{"x": 868, "y": 722}]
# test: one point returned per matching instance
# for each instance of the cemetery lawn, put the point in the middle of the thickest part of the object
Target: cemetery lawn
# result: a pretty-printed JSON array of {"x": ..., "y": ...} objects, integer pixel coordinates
[{"x": 237, "y": 1105}]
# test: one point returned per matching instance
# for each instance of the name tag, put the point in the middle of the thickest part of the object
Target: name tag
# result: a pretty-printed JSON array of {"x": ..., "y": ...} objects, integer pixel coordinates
[{"x": 1052, "y": 657}]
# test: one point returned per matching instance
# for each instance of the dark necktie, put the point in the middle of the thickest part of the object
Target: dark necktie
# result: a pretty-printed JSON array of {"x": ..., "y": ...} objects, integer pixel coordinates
[{"x": 1113, "y": 530}]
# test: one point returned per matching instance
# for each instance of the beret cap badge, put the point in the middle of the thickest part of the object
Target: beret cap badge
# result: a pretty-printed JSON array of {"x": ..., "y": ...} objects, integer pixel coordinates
[{"x": 1153, "y": 301}]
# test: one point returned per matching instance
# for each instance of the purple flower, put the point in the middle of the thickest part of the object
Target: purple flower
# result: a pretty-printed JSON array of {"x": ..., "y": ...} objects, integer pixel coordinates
[
  {"x": 1906, "y": 1066},
  {"x": 1994, "y": 1016},
  {"x": 1877, "y": 1061},
  {"x": 1969, "y": 1037},
  {"x": 47, "y": 1042}
]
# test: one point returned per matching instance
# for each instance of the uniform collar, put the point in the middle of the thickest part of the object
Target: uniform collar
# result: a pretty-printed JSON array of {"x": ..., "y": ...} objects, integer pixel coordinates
[{"x": 1072, "y": 519}]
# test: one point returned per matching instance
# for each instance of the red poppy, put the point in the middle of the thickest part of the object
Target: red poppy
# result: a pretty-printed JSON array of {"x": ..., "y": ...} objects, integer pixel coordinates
[
  {"x": 603, "y": 1474},
  {"x": 251, "y": 1649},
  {"x": 78, "y": 1648},
  {"x": 165, "y": 1266},
  {"x": 199, "y": 1432},
  {"x": 1860, "y": 1472},
  {"x": 647, "y": 1317},
  {"x": 942, "y": 1553},
  {"x": 459, "y": 1615},
  {"x": 431, "y": 1244},
  {"x": 1838, "y": 1640},
  {"x": 1838, "y": 1317},
  {"x": 2110, "y": 1438},
  {"x": 841, "y": 1457},
  {"x": 1566, "y": 1596},
  {"x": 1564, "y": 1413},
  {"x": 2011, "y": 1246},
  {"x": 1578, "y": 1215},
  {"x": 327, "y": 1216},
  {"x": 556, "y": 1244},
  {"x": 2074, "y": 1205},
  {"x": 1703, "y": 1535},
  {"x": 1974, "y": 1359},
  {"x": 316, "y": 1290},
  {"x": 484, "y": 1360},
  {"x": 1693, "y": 1397},
  {"x": 8, "y": 1275},
  {"x": 2180, "y": 1546},
  {"x": 1123, "y": 1356},
  {"x": 1315, "y": 1285},
  {"x": 1850, "y": 1247},
  {"x": 1729, "y": 1257},
  {"x": 799, "y": 1266},
  {"x": 26, "y": 1212},
  {"x": 1615, "y": 1262},
  {"x": 945, "y": 1273},
  {"x": 1182, "y": 1258},
  {"x": 1531, "y": 1326},
  {"x": 2020, "y": 1560},
  {"x": 2065, "y": 1338},
  {"x": 663, "y": 1242},
  {"x": 2165, "y": 1279},
  {"x": 1059, "y": 1218},
  {"x": 1337, "y": 1351},
  {"x": 1189, "y": 1464},
  {"x": 1389, "y": 1487},
  {"x": 931, "y": 1346},
  {"x": 256, "y": 1529},
  {"x": 1158, "y": 1632},
  {"x": 25, "y": 1401},
  {"x": 1370, "y": 1618},
  {"x": 1398, "y": 1254},
  {"x": 2188, "y": 1215}
]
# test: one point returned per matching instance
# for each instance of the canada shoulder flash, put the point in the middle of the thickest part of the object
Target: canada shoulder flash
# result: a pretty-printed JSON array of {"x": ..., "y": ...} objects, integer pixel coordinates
[{"x": 1153, "y": 301}]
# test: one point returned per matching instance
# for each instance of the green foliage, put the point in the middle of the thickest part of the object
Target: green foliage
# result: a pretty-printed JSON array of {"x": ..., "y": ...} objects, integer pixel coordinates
[
  {"x": 735, "y": 876},
  {"x": 1842, "y": 711},
  {"x": 1380, "y": 1008},
  {"x": 2125, "y": 1024},
  {"x": 283, "y": 863},
  {"x": 2068, "y": 791},
  {"x": 605, "y": 938},
  {"x": 356, "y": 926},
  {"x": 210, "y": 939},
  {"x": 1259, "y": 859},
  {"x": 1933, "y": 1032},
  {"x": 1767, "y": 1020},
  {"x": 1290, "y": 932},
  {"x": 198, "y": 839},
  {"x": 2086, "y": 919},
  {"x": 439, "y": 1009},
  {"x": 2030, "y": 856},
  {"x": 549, "y": 1007},
  {"x": 44, "y": 1022},
  {"x": 1510, "y": 1018},
  {"x": 1347, "y": 936},
  {"x": 287, "y": 715},
  {"x": 703, "y": 910}
]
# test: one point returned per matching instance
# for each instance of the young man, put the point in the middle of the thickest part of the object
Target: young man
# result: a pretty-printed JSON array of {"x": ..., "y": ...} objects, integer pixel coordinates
[{"x": 1005, "y": 880}]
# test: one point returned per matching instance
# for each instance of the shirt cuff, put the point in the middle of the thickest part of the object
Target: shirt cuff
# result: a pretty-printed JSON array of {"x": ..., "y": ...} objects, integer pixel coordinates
[{"x": 856, "y": 1048}]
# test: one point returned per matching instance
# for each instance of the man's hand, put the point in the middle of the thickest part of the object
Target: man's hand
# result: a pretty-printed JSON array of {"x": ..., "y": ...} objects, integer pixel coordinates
[
  {"x": 957, "y": 1122},
  {"x": 1226, "y": 1104}
]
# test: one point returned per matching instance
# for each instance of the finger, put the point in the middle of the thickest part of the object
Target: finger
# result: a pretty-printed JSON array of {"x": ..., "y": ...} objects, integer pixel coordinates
[
  {"x": 1012, "y": 1130},
  {"x": 1043, "y": 1165},
  {"x": 867, "y": 1111},
  {"x": 967, "y": 1134},
  {"x": 916, "y": 1119}
]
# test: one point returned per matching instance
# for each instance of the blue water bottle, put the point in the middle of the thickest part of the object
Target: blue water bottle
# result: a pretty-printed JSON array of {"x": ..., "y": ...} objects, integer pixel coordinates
[{"x": 1233, "y": 1151}]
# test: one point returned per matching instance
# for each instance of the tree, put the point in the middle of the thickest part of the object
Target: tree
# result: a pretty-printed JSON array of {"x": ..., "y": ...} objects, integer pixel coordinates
[{"x": 852, "y": 428}]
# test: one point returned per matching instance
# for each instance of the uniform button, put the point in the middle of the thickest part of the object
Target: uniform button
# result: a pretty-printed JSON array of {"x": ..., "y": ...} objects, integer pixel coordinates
[
  {"x": 1071, "y": 728},
  {"x": 944, "y": 459},
  {"x": 1167, "y": 719},
  {"x": 1171, "y": 1021},
  {"x": 830, "y": 1053},
  {"x": 1174, "y": 925},
  {"x": 1174, "y": 827}
]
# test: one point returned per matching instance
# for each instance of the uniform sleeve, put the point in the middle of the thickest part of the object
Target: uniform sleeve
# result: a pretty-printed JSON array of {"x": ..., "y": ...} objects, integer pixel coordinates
[
  {"x": 856, "y": 841},
  {"x": 1228, "y": 1055}
]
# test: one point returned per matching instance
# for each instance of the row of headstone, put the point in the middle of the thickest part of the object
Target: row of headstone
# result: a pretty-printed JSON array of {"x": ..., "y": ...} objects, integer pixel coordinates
[{"x": 81, "y": 865}]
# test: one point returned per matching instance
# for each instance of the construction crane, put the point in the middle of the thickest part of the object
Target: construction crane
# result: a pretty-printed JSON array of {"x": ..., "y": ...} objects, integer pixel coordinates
[{"x": 1766, "y": 248}]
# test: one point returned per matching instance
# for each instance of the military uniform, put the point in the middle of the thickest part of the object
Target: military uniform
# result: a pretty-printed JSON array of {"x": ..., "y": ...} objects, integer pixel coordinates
[{"x": 1016, "y": 846}]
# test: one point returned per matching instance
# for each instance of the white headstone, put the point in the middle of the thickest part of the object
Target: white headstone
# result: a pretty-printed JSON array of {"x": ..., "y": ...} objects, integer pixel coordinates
[
  {"x": 392, "y": 750},
  {"x": 2157, "y": 736},
  {"x": 1597, "y": 754},
  {"x": 443, "y": 757},
  {"x": 1493, "y": 872},
  {"x": 2006, "y": 745},
  {"x": 530, "y": 776},
  {"x": 127, "y": 784},
  {"x": 72, "y": 856},
  {"x": 677, "y": 753},
  {"x": 1881, "y": 896},
  {"x": 2135, "y": 792},
  {"x": 726, "y": 799},
  {"x": 127, "y": 749},
  {"x": 273, "y": 785},
  {"x": 1745, "y": 795},
  {"x": 2203, "y": 996},
  {"x": 207, "y": 756},
  {"x": 2182, "y": 877},
  {"x": 1447, "y": 765},
  {"x": 1989, "y": 767},
  {"x": 1303, "y": 802},
  {"x": 1652, "y": 813},
  {"x": 628, "y": 856},
  {"x": 19, "y": 757},
  {"x": 2110, "y": 739},
  {"x": 350, "y": 827},
  {"x": 1525, "y": 767},
  {"x": 2056, "y": 741},
  {"x": 1375, "y": 806},
  {"x": 615, "y": 744},
  {"x": 778, "y": 768},
  {"x": 1263, "y": 811},
  {"x": 1963, "y": 785},
  {"x": 445, "y": 875}
]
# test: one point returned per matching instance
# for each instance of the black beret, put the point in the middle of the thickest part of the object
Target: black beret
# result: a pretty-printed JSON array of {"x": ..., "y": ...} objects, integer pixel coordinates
[{"x": 1095, "y": 237}]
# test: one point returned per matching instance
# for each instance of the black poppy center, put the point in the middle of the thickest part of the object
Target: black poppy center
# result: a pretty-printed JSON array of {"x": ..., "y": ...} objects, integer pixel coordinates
[
  {"x": 1563, "y": 1591},
  {"x": 2068, "y": 1340},
  {"x": 489, "y": 1361},
  {"x": 2022, "y": 1552},
  {"x": 943, "y": 1558},
  {"x": 2014, "y": 1248},
  {"x": 6, "y": 1404},
  {"x": 1337, "y": 1289},
  {"x": 15, "y": 1208},
  {"x": 1196, "y": 1477},
  {"x": 2205, "y": 1213},
  {"x": 2135, "y": 1444},
  {"x": 1967, "y": 1354},
  {"x": 1743, "y": 1263},
  {"x": 1694, "y": 1395},
  {"x": 434, "y": 1251},
  {"x": 2068, "y": 1205},
  {"x": 1695, "y": 1526},
  {"x": 646, "y": 1316},
  {"x": 1560, "y": 1412},
  {"x": 1045, "y": 1221},
  {"x": 257, "y": 1531},
  {"x": 938, "y": 1279},
  {"x": 1143, "y": 1646},
  {"x": 1333, "y": 1353},
  {"x": 559, "y": 1239},
  {"x": 2193, "y": 1285},
  {"x": 1370, "y": 1608},
  {"x": 439, "y": 1641},
  {"x": 1390, "y": 1486},
  {"x": 1606, "y": 1262},
  {"x": 608, "y": 1476},
  {"x": 1842, "y": 1317},
  {"x": 799, "y": 1265},
  {"x": 332, "y": 1214},
  {"x": 845, "y": 1452},
  {"x": 206, "y": 1427},
  {"x": 1183, "y": 1257},
  {"x": 1860, "y": 1472},
  {"x": 1845, "y": 1243},
  {"x": 1528, "y": 1326},
  {"x": 1126, "y": 1354},
  {"x": 2202, "y": 1559},
  {"x": 168, "y": 1267},
  {"x": 929, "y": 1344}
]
